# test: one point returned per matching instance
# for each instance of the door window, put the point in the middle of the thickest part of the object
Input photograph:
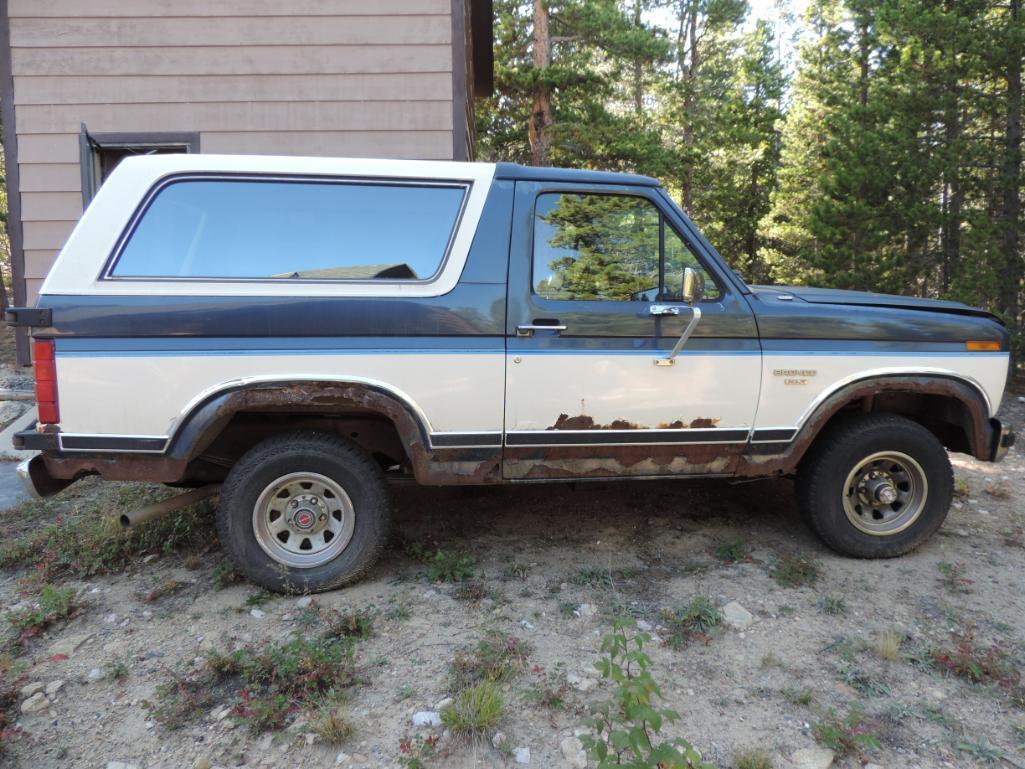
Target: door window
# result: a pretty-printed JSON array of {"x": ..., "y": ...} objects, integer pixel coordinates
[{"x": 607, "y": 247}]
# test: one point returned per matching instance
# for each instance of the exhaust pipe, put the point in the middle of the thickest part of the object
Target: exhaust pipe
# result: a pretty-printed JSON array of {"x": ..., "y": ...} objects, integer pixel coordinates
[{"x": 151, "y": 512}]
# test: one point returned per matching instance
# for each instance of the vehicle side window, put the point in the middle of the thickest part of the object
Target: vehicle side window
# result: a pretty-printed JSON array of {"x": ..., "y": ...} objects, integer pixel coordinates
[
  {"x": 258, "y": 229},
  {"x": 606, "y": 247}
]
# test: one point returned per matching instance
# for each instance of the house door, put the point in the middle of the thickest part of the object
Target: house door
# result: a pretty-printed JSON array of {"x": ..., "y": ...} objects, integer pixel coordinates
[{"x": 595, "y": 306}]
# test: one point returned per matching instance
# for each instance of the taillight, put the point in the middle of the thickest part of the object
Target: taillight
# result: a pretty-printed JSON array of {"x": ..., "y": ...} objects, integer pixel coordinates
[{"x": 46, "y": 381}]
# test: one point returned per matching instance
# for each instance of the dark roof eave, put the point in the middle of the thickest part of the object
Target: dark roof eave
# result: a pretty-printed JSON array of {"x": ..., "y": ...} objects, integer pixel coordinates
[{"x": 516, "y": 172}]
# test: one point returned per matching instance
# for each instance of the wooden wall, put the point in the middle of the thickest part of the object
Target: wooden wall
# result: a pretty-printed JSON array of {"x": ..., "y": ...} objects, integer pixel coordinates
[{"x": 369, "y": 78}]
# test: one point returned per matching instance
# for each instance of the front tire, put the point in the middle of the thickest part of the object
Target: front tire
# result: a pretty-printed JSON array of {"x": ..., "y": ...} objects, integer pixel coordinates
[
  {"x": 304, "y": 512},
  {"x": 875, "y": 486}
]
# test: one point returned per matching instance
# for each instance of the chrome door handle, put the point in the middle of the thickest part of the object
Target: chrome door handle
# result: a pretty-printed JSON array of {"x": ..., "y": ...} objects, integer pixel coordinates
[
  {"x": 663, "y": 309},
  {"x": 528, "y": 329},
  {"x": 671, "y": 359}
]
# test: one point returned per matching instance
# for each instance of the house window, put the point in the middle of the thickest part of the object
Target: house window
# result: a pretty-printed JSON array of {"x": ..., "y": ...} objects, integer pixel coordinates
[{"x": 100, "y": 153}]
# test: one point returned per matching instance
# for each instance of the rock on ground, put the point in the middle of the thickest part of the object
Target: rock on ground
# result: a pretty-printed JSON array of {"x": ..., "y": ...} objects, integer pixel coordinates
[
  {"x": 573, "y": 751},
  {"x": 812, "y": 758}
]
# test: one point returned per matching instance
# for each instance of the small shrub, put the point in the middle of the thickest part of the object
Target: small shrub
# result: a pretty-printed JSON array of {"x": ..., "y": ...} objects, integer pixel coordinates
[
  {"x": 731, "y": 551},
  {"x": 795, "y": 571},
  {"x": 516, "y": 571},
  {"x": 593, "y": 576},
  {"x": 961, "y": 488},
  {"x": 413, "y": 750},
  {"x": 834, "y": 605},
  {"x": 803, "y": 697},
  {"x": 952, "y": 577},
  {"x": 626, "y": 729},
  {"x": 975, "y": 662},
  {"x": 224, "y": 575},
  {"x": 472, "y": 591},
  {"x": 498, "y": 657},
  {"x": 52, "y": 605},
  {"x": 445, "y": 566},
  {"x": 753, "y": 759},
  {"x": 476, "y": 710},
  {"x": 357, "y": 624},
  {"x": 887, "y": 645},
  {"x": 117, "y": 670},
  {"x": 271, "y": 681},
  {"x": 692, "y": 622},
  {"x": 549, "y": 693},
  {"x": 851, "y": 734}
]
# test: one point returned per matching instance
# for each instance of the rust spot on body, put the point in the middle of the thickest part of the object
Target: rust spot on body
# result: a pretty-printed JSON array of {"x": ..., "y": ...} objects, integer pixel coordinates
[{"x": 584, "y": 422}]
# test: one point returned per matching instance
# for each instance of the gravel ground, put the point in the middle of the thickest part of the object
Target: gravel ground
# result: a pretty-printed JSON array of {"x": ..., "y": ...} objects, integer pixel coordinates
[{"x": 556, "y": 563}]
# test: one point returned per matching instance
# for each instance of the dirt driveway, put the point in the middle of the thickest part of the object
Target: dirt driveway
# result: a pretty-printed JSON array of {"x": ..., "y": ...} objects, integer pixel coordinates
[{"x": 912, "y": 662}]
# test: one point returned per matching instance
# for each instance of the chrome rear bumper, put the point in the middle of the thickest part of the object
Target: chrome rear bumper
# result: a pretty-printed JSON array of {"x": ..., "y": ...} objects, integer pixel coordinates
[{"x": 37, "y": 479}]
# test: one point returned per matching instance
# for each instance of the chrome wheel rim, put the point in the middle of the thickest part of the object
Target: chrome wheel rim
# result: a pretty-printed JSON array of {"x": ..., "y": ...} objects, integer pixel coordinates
[
  {"x": 885, "y": 493},
  {"x": 303, "y": 520}
]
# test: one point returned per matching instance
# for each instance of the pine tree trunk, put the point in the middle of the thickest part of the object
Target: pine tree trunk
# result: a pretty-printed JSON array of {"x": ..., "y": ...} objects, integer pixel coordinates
[
  {"x": 638, "y": 68},
  {"x": 1010, "y": 213},
  {"x": 953, "y": 195},
  {"x": 541, "y": 114},
  {"x": 689, "y": 21}
]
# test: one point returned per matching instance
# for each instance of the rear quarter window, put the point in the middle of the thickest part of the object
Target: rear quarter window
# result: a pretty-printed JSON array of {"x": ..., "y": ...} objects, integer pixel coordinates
[{"x": 258, "y": 229}]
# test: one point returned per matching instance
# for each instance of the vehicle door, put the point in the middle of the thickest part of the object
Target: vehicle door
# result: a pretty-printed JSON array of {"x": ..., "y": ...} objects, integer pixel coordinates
[{"x": 595, "y": 308}]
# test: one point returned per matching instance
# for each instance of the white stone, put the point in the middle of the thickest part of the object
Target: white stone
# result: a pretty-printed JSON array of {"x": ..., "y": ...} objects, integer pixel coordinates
[
  {"x": 341, "y": 758},
  {"x": 573, "y": 751},
  {"x": 201, "y": 763},
  {"x": 30, "y": 689},
  {"x": 521, "y": 755},
  {"x": 150, "y": 558},
  {"x": 736, "y": 616},
  {"x": 69, "y": 645},
  {"x": 120, "y": 765},
  {"x": 441, "y": 704},
  {"x": 95, "y": 674},
  {"x": 812, "y": 758},
  {"x": 427, "y": 718},
  {"x": 53, "y": 687},
  {"x": 498, "y": 739},
  {"x": 585, "y": 610},
  {"x": 644, "y": 626},
  {"x": 305, "y": 601},
  {"x": 872, "y": 766},
  {"x": 36, "y": 703},
  {"x": 580, "y": 683}
]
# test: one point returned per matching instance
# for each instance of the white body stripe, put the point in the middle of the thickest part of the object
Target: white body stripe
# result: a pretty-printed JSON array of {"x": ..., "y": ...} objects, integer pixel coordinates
[
  {"x": 630, "y": 387},
  {"x": 789, "y": 405},
  {"x": 135, "y": 395},
  {"x": 141, "y": 395}
]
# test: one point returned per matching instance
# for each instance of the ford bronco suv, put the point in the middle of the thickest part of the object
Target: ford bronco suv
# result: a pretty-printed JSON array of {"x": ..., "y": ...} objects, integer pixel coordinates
[{"x": 290, "y": 333}]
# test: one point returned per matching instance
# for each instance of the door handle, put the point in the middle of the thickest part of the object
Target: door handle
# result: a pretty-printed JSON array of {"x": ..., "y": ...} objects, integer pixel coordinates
[
  {"x": 528, "y": 329},
  {"x": 687, "y": 331},
  {"x": 663, "y": 309}
]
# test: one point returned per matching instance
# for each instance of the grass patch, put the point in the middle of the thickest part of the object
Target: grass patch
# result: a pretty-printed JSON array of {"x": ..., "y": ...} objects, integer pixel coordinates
[
  {"x": 804, "y": 697},
  {"x": 51, "y": 605},
  {"x": 516, "y": 571},
  {"x": 795, "y": 571},
  {"x": 592, "y": 576},
  {"x": 270, "y": 682},
  {"x": 332, "y": 725},
  {"x": 357, "y": 624},
  {"x": 731, "y": 551},
  {"x": 887, "y": 645},
  {"x": 224, "y": 575},
  {"x": 77, "y": 533},
  {"x": 476, "y": 711},
  {"x": 695, "y": 621},
  {"x": 498, "y": 657},
  {"x": 834, "y": 605},
  {"x": 471, "y": 591},
  {"x": 752, "y": 759},
  {"x": 952, "y": 578},
  {"x": 852, "y": 734}
]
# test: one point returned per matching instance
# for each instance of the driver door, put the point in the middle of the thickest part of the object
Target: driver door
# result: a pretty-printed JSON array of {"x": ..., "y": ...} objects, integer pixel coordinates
[{"x": 595, "y": 303}]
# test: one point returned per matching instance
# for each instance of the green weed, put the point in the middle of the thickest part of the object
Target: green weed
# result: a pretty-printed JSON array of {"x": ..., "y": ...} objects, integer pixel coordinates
[
  {"x": 476, "y": 710},
  {"x": 795, "y": 571},
  {"x": 695, "y": 621}
]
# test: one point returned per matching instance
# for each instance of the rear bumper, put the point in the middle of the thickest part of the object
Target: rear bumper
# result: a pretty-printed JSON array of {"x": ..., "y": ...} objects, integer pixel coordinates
[
  {"x": 37, "y": 479},
  {"x": 1002, "y": 440}
]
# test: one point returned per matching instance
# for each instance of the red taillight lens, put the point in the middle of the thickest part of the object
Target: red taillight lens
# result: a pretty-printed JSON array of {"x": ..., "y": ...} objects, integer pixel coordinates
[{"x": 46, "y": 381}]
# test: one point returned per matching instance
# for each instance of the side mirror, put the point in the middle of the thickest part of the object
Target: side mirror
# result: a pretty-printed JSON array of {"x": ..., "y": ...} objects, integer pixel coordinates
[{"x": 693, "y": 285}]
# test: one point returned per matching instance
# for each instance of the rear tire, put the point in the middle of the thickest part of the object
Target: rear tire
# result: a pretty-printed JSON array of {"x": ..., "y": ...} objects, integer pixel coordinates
[
  {"x": 875, "y": 486},
  {"x": 304, "y": 512}
]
